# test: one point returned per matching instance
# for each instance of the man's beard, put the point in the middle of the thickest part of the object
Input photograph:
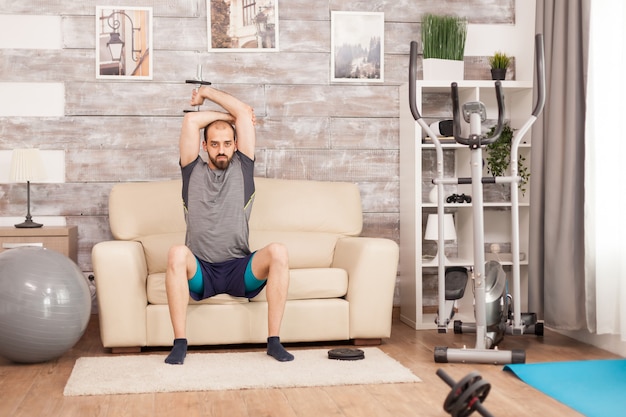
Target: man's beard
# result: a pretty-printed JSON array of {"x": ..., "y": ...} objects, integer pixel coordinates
[{"x": 219, "y": 162}]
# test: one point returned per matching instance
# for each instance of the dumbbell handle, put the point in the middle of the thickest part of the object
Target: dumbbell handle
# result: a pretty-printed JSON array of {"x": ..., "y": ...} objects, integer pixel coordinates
[
  {"x": 200, "y": 82},
  {"x": 451, "y": 383}
]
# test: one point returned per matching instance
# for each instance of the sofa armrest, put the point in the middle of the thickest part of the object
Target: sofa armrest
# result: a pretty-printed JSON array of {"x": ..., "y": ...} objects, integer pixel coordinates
[
  {"x": 372, "y": 266},
  {"x": 121, "y": 272}
]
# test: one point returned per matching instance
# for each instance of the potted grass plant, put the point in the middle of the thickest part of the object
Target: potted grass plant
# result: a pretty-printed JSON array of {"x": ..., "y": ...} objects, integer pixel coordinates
[
  {"x": 499, "y": 63},
  {"x": 444, "y": 46}
]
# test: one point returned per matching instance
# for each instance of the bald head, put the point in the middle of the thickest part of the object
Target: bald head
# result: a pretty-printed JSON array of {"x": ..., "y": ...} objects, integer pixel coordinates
[{"x": 217, "y": 128}]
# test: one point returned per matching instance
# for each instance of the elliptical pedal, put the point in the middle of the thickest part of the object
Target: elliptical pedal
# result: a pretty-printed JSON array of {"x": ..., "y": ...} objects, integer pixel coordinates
[{"x": 456, "y": 281}]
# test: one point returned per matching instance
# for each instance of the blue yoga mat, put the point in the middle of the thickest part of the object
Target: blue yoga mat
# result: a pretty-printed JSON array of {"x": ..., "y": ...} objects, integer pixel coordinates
[{"x": 594, "y": 388}]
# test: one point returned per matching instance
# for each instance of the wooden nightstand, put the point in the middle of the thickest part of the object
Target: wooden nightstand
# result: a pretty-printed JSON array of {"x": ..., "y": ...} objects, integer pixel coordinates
[{"x": 63, "y": 239}]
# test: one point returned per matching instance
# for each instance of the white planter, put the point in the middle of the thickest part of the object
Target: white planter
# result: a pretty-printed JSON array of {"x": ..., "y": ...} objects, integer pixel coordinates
[{"x": 442, "y": 69}]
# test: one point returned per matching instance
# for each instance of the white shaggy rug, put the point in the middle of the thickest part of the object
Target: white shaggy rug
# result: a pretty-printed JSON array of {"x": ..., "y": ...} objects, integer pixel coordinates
[{"x": 227, "y": 371}]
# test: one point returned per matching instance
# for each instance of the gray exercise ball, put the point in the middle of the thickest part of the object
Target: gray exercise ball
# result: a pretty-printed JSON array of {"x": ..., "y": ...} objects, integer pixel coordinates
[{"x": 45, "y": 304}]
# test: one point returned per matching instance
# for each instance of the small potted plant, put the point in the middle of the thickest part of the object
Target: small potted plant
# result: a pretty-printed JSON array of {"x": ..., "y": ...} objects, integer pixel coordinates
[
  {"x": 499, "y": 63},
  {"x": 499, "y": 157}
]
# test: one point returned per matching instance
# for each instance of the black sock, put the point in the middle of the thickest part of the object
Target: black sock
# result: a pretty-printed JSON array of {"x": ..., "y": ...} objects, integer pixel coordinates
[
  {"x": 178, "y": 353},
  {"x": 277, "y": 351}
]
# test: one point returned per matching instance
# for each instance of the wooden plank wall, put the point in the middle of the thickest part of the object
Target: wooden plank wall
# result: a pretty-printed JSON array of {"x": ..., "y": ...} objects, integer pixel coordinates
[{"x": 308, "y": 128}]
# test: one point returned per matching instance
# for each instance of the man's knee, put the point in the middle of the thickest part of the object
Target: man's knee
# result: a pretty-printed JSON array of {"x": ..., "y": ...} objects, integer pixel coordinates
[
  {"x": 177, "y": 257},
  {"x": 278, "y": 253}
]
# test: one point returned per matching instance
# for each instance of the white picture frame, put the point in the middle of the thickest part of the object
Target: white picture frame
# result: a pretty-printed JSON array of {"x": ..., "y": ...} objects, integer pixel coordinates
[
  {"x": 124, "y": 43},
  {"x": 357, "y": 47},
  {"x": 242, "y": 26}
]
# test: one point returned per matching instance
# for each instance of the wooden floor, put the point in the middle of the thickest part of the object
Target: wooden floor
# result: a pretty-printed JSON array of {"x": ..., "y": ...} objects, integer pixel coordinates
[{"x": 37, "y": 390}]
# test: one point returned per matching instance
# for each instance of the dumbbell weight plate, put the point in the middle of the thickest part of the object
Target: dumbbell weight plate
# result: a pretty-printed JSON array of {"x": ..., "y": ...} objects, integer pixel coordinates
[
  {"x": 468, "y": 401},
  {"x": 459, "y": 389}
]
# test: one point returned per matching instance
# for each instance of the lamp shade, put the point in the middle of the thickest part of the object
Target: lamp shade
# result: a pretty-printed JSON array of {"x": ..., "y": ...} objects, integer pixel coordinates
[
  {"x": 449, "y": 231},
  {"x": 26, "y": 165}
]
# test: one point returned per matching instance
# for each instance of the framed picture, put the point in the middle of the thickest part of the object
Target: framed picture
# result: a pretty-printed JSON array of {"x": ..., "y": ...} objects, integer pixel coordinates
[
  {"x": 357, "y": 46},
  {"x": 242, "y": 25},
  {"x": 124, "y": 42}
]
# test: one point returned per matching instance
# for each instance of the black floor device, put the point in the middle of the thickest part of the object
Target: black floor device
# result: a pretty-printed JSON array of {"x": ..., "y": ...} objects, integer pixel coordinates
[{"x": 346, "y": 354}]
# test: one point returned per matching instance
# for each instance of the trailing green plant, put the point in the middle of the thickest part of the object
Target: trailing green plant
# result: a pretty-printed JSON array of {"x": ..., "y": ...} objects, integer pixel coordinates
[
  {"x": 499, "y": 60},
  {"x": 444, "y": 36},
  {"x": 499, "y": 157}
]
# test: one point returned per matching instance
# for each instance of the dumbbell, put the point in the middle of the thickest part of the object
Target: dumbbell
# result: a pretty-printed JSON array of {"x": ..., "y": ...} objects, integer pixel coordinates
[
  {"x": 456, "y": 198},
  {"x": 466, "y": 396},
  {"x": 199, "y": 82}
]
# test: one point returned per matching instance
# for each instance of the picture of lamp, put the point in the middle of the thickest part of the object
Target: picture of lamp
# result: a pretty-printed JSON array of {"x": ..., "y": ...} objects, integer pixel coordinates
[{"x": 26, "y": 166}]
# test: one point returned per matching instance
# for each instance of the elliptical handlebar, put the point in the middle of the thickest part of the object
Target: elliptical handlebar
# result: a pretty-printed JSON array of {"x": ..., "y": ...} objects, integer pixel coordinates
[
  {"x": 541, "y": 91},
  {"x": 475, "y": 140},
  {"x": 541, "y": 74},
  {"x": 412, "y": 81}
]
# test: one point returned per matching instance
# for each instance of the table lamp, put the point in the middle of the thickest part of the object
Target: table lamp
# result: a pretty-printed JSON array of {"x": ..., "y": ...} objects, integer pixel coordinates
[
  {"x": 27, "y": 166},
  {"x": 449, "y": 233}
]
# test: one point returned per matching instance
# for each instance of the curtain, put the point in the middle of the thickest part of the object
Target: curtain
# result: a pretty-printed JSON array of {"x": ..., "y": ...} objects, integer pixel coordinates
[
  {"x": 605, "y": 251},
  {"x": 556, "y": 286}
]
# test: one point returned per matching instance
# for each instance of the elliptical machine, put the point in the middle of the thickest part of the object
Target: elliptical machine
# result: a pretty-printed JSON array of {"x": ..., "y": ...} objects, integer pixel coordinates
[{"x": 494, "y": 314}]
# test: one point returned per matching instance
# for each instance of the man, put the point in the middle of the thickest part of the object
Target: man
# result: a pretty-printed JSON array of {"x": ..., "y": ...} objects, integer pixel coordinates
[{"x": 218, "y": 197}]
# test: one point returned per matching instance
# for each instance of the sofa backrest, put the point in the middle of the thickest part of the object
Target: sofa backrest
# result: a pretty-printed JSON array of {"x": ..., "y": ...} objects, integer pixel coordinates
[
  {"x": 138, "y": 209},
  {"x": 307, "y": 216},
  {"x": 306, "y": 206}
]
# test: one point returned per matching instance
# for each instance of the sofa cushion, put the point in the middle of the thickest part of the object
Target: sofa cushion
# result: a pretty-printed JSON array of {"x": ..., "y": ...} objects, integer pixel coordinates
[
  {"x": 306, "y": 249},
  {"x": 157, "y": 295},
  {"x": 313, "y": 283},
  {"x": 156, "y": 247}
]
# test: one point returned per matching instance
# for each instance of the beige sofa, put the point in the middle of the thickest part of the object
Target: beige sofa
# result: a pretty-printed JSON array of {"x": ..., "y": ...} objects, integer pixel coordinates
[{"x": 341, "y": 285}]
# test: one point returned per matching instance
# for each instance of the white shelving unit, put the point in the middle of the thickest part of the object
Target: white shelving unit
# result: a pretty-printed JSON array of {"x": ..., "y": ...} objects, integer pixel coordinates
[{"x": 417, "y": 159}]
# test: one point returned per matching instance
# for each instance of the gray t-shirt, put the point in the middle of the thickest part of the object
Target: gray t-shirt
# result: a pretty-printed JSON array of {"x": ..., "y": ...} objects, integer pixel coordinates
[{"x": 217, "y": 208}]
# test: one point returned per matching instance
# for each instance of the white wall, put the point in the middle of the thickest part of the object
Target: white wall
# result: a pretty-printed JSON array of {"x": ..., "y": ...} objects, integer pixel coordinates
[
  {"x": 609, "y": 342},
  {"x": 30, "y": 32},
  {"x": 513, "y": 39},
  {"x": 30, "y": 99}
]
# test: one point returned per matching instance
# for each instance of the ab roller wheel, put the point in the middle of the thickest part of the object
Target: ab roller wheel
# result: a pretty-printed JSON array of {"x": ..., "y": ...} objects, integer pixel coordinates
[{"x": 466, "y": 396}]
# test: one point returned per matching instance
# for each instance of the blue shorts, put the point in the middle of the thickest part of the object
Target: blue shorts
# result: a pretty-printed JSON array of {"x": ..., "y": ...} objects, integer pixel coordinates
[{"x": 225, "y": 278}]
